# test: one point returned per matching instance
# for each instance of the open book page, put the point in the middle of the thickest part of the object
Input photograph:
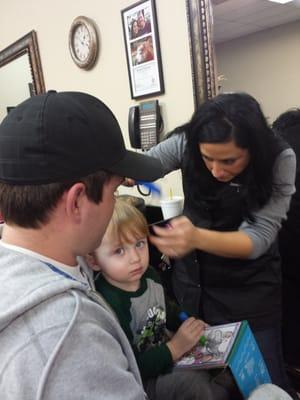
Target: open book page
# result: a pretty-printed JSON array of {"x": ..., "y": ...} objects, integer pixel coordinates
[{"x": 214, "y": 353}]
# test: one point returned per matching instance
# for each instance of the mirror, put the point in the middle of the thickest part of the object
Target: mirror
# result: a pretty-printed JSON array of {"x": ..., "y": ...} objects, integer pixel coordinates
[
  {"x": 201, "y": 50},
  {"x": 21, "y": 73},
  {"x": 256, "y": 50}
]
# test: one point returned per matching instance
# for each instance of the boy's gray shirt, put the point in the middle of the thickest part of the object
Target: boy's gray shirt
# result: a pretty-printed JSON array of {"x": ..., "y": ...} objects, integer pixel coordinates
[{"x": 58, "y": 337}]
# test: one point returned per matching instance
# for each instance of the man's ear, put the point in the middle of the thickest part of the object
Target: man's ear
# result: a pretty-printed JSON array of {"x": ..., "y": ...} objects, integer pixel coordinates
[
  {"x": 92, "y": 262},
  {"x": 75, "y": 199}
]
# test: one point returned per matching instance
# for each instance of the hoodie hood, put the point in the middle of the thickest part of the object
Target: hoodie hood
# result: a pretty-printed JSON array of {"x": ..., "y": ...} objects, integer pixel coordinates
[
  {"x": 23, "y": 288},
  {"x": 57, "y": 333}
]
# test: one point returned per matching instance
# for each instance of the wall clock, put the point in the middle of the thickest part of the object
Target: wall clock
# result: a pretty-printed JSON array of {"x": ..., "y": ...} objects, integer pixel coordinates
[{"x": 83, "y": 42}]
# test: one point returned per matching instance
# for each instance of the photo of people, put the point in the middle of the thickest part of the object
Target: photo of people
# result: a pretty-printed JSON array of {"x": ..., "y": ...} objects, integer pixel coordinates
[
  {"x": 134, "y": 29},
  {"x": 139, "y": 23},
  {"x": 142, "y": 51}
]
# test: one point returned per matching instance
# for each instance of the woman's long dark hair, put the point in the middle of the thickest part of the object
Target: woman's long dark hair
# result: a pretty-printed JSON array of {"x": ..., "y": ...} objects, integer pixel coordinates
[{"x": 238, "y": 117}]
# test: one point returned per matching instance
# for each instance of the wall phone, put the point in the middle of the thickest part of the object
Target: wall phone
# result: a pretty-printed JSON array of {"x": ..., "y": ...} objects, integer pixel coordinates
[{"x": 144, "y": 125}]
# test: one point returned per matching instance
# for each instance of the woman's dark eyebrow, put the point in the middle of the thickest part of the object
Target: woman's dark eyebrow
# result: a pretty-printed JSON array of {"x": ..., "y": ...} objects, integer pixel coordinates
[{"x": 223, "y": 159}]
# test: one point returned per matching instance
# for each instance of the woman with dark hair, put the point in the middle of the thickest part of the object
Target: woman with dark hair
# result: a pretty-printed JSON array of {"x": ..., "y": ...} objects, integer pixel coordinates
[
  {"x": 238, "y": 179},
  {"x": 134, "y": 29}
]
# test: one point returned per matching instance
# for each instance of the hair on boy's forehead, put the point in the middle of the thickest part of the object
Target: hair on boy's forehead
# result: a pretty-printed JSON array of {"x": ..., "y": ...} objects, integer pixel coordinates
[
  {"x": 128, "y": 222},
  {"x": 131, "y": 233}
]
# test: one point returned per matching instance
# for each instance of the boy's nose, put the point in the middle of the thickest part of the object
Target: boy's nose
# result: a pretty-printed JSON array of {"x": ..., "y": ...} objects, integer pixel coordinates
[{"x": 134, "y": 256}]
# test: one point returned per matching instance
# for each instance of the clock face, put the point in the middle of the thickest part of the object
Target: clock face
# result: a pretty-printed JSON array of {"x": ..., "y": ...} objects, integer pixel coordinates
[{"x": 83, "y": 42}]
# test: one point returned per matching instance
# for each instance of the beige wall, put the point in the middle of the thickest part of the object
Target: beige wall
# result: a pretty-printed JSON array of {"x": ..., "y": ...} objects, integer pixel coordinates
[
  {"x": 266, "y": 65},
  {"x": 273, "y": 56},
  {"x": 108, "y": 80},
  {"x": 13, "y": 83}
]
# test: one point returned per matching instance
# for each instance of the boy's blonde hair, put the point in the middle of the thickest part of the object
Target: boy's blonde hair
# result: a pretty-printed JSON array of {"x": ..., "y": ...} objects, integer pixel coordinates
[{"x": 128, "y": 221}]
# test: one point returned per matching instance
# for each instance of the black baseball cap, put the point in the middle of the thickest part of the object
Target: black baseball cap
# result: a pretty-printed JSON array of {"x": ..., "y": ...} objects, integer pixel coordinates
[{"x": 59, "y": 136}]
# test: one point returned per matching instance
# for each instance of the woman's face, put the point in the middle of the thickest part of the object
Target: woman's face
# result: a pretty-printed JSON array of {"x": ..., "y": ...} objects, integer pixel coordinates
[
  {"x": 135, "y": 27},
  {"x": 224, "y": 160}
]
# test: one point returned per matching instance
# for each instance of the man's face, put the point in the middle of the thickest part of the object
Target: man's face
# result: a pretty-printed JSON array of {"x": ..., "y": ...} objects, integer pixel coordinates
[
  {"x": 99, "y": 215},
  {"x": 141, "y": 21}
]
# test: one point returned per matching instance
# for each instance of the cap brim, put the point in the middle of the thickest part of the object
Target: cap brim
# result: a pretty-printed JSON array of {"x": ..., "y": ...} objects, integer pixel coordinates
[{"x": 138, "y": 166}]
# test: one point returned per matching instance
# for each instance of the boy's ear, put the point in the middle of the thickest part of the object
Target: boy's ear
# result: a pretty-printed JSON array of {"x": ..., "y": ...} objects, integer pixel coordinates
[{"x": 92, "y": 262}]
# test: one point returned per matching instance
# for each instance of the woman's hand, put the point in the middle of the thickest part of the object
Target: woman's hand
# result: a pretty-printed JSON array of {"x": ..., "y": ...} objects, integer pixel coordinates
[
  {"x": 182, "y": 237},
  {"x": 176, "y": 240},
  {"x": 186, "y": 337}
]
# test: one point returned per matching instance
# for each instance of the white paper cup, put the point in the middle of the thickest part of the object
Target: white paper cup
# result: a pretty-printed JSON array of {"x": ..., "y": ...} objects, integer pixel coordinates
[{"x": 171, "y": 207}]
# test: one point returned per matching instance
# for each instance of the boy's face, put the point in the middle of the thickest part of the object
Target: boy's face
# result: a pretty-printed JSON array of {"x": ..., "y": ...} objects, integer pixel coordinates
[{"x": 123, "y": 263}]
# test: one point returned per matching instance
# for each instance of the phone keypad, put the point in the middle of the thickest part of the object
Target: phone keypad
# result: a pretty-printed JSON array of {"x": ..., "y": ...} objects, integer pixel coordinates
[{"x": 148, "y": 129}]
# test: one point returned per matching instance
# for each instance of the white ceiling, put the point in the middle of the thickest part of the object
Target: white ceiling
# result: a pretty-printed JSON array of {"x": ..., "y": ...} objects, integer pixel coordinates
[{"x": 235, "y": 18}]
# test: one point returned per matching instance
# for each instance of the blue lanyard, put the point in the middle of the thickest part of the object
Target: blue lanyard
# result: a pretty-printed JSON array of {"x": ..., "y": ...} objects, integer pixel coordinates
[{"x": 60, "y": 272}]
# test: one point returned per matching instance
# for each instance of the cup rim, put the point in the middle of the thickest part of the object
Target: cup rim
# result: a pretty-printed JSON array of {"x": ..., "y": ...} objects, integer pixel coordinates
[{"x": 174, "y": 199}]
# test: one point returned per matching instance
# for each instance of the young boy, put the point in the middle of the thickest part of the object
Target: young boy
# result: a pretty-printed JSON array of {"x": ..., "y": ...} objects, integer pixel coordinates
[{"x": 133, "y": 290}]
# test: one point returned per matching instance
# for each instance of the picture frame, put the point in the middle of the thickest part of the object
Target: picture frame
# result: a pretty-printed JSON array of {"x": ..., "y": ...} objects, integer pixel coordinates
[{"x": 142, "y": 49}]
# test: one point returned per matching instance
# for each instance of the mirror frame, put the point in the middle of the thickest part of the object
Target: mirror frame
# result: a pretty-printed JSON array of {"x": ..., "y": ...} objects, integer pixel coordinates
[
  {"x": 200, "y": 24},
  {"x": 27, "y": 44}
]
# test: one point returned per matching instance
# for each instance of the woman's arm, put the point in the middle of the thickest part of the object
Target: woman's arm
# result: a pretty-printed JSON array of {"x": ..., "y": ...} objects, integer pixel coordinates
[
  {"x": 169, "y": 152},
  {"x": 251, "y": 240},
  {"x": 184, "y": 237},
  {"x": 268, "y": 220}
]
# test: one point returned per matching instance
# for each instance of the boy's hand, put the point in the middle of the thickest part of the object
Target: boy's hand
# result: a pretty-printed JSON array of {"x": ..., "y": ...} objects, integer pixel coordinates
[{"x": 186, "y": 337}]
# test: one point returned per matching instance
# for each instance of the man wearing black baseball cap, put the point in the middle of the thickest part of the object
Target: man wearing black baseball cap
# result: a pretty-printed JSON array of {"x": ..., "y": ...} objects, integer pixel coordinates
[{"x": 62, "y": 157}]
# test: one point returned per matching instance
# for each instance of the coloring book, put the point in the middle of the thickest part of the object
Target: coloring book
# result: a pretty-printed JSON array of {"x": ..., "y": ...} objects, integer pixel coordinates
[{"x": 230, "y": 345}]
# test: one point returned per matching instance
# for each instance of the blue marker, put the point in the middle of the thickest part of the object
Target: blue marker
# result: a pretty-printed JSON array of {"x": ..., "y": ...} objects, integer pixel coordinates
[
  {"x": 155, "y": 189},
  {"x": 183, "y": 316}
]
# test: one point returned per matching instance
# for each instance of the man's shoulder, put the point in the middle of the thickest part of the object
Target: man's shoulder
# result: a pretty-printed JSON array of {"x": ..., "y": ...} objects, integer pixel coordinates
[
  {"x": 61, "y": 335},
  {"x": 33, "y": 290}
]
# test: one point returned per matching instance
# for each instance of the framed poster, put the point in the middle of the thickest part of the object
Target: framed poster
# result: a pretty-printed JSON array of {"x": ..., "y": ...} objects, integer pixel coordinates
[{"x": 142, "y": 49}]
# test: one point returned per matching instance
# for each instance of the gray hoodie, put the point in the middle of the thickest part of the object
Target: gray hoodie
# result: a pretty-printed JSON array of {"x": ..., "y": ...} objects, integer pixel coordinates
[{"x": 58, "y": 338}]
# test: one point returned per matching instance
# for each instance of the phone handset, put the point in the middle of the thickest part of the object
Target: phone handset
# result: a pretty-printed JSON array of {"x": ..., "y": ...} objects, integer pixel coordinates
[
  {"x": 144, "y": 124},
  {"x": 134, "y": 127}
]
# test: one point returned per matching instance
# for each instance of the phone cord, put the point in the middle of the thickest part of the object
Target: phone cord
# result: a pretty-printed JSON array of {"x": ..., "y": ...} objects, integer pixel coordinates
[{"x": 143, "y": 193}]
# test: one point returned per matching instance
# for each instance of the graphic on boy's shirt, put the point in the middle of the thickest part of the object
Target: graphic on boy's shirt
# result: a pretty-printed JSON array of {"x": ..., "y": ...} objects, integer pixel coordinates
[{"x": 154, "y": 331}]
